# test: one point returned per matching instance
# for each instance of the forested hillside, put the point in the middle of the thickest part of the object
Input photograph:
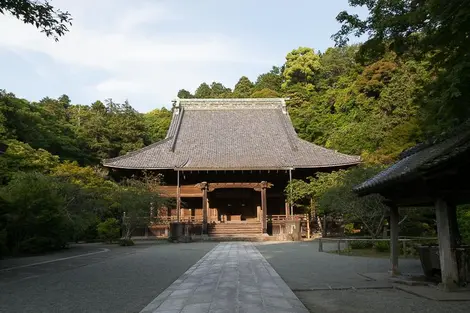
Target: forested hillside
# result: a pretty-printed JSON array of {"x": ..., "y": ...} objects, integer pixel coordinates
[{"x": 43, "y": 134}]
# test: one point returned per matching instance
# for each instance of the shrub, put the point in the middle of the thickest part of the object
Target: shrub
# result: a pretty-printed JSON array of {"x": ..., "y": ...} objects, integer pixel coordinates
[
  {"x": 126, "y": 242},
  {"x": 109, "y": 230},
  {"x": 36, "y": 214},
  {"x": 38, "y": 244},
  {"x": 360, "y": 244},
  {"x": 382, "y": 246},
  {"x": 349, "y": 229},
  {"x": 463, "y": 217}
]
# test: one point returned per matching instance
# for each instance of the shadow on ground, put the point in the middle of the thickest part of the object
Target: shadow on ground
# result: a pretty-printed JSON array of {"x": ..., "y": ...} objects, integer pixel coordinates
[{"x": 331, "y": 283}]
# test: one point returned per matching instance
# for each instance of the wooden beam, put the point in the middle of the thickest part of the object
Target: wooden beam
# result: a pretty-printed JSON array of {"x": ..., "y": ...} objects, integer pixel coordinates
[
  {"x": 204, "y": 208},
  {"x": 449, "y": 269},
  {"x": 264, "y": 207},
  {"x": 213, "y": 186},
  {"x": 394, "y": 244}
]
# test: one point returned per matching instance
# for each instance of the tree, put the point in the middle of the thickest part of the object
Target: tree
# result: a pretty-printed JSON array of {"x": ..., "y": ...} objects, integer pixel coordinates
[
  {"x": 244, "y": 88},
  {"x": 421, "y": 29},
  {"x": 271, "y": 80},
  {"x": 36, "y": 218},
  {"x": 369, "y": 210},
  {"x": 136, "y": 199},
  {"x": 218, "y": 90},
  {"x": 301, "y": 66},
  {"x": 157, "y": 123},
  {"x": 53, "y": 22},
  {"x": 21, "y": 157},
  {"x": 265, "y": 93},
  {"x": 203, "y": 91},
  {"x": 184, "y": 94}
]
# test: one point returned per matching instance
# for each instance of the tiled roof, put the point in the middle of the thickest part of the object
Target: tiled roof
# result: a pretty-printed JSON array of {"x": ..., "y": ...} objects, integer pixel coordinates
[
  {"x": 420, "y": 158},
  {"x": 211, "y": 134}
]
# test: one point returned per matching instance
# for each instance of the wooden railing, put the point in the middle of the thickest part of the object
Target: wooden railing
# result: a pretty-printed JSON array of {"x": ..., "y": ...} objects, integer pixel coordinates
[
  {"x": 188, "y": 219},
  {"x": 194, "y": 219},
  {"x": 295, "y": 217}
]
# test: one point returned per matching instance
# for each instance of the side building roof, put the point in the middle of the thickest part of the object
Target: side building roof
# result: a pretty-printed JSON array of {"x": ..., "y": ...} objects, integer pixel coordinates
[{"x": 231, "y": 134}]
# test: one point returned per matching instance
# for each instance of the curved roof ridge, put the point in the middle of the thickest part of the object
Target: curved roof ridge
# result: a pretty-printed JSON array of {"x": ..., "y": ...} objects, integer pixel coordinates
[
  {"x": 285, "y": 121},
  {"x": 177, "y": 127}
]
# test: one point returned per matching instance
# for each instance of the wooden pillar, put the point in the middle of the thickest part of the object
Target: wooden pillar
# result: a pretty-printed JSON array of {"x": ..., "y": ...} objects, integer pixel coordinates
[
  {"x": 287, "y": 208},
  {"x": 178, "y": 198},
  {"x": 449, "y": 269},
  {"x": 204, "y": 207},
  {"x": 394, "y": 244},
  {"x": 308, "y": 225},
  {"x": 264, "y": 207}
]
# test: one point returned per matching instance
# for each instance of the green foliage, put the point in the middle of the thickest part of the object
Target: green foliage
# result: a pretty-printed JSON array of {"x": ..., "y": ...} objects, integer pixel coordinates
[
  {"x": 109, "y": 230},
  {"x": 349, "y": 229},
  {"x": 265, "y": 93},
  {"x": 463, "y": 218},
  {"x": 382, "y": 246},
  {"x": 184, "y": 94},
  {"x": 301, "y": 66},
  {"x": 157, "y": 123},
  {"x": 421, "y": 29},
  {"x": 135, "y": 198},
  {"x": 203, "y": 91},
  {"x": 361, "y": 244},
  {"x": 368, "y": 210},
  {"x": 270, "y": 81},
  {"x": 53, "y": 22},
  {"x": 36, "y": 216},
  {"x": 22, "y": 157},
  {"x": 215, "y": 90},
  {"x": 244, "y": 88}
]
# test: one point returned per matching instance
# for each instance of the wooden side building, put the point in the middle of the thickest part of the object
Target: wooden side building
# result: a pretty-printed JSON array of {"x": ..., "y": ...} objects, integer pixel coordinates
[{"x": 228, "y": 161}]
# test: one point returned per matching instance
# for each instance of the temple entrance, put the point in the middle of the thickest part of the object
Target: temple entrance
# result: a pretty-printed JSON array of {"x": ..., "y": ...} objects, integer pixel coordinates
[{"x": 240, "y": 204}]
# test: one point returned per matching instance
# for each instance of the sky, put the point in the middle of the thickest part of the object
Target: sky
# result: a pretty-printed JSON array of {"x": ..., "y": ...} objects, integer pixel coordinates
[{"x": 146, "y": 50}]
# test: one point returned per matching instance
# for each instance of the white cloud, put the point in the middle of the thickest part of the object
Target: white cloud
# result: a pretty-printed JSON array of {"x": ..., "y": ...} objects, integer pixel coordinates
[{"x": 125, "y": 43}]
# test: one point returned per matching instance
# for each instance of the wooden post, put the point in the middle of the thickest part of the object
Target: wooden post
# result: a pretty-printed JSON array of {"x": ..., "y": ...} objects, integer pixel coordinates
[
  {"x": 449, "y": 270},
  {"x": 204, "y": 208},
  {"x": 320, "y": 245},
  {"x": 394, "y": 248},
  {"x": 308, "y": 226},
  {"x": 178, "y": 198},
  {"x": 264, "y": 207},
  {"x": 287, "y": 208}
]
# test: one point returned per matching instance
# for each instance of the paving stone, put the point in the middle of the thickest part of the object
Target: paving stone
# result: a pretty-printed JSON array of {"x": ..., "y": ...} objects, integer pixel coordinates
[
  {"x": 233, "y": 277},
  {"x": 196, "y": 308},
  {"x": 172, "y": 304},
  {"x": 181, "y": 293},
  {"x": 200, "y": 298}
]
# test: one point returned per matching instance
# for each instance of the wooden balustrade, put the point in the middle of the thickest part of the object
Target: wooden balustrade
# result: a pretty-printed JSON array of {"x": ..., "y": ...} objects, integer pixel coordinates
[{"x": 283, "y": 217}]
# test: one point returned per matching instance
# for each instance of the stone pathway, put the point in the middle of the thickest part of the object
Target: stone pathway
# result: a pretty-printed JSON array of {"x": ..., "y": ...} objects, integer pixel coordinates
[{"x": 233, "y": 277}]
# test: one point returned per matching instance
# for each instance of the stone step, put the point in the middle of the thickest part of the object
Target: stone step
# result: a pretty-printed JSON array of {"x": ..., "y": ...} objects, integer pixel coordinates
[{"x": 235, "y": 230}]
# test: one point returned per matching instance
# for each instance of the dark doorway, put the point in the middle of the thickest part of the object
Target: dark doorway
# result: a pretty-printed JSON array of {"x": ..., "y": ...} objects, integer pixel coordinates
[{"x": 236, "y": 204}]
